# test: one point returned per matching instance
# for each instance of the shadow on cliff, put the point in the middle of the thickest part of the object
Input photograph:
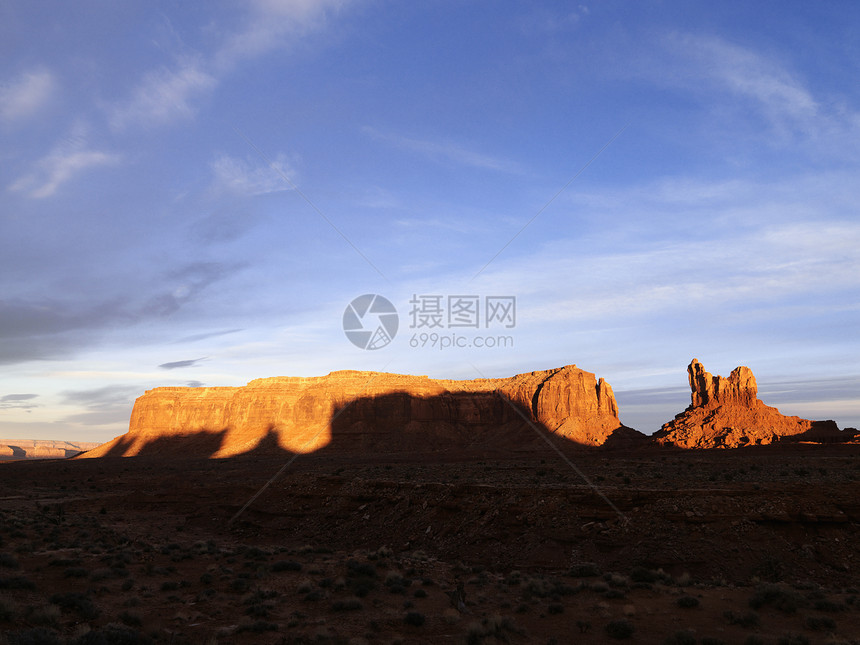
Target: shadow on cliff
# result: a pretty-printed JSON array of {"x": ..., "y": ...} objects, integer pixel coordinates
[
  {"x": 392, "y": 424},
  {"x": 823, "y": 432},
  {"x": 400, "y": 422},
  {"x": 18, "y": 452},
  {"x": 200, "y": 444}
]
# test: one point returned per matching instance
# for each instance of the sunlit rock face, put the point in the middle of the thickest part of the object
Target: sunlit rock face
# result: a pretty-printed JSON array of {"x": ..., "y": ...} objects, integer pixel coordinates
[
  {"x": 739, "y": 389},
  {"x": 352, "y": 410},
  {"x": 727, "y": 413},
  {"x": 11, "y": 449}
]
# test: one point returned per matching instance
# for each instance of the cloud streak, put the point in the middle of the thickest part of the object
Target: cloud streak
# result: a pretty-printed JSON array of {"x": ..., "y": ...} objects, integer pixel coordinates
[
  {"x": 181, "y": 364},
  {"x": 446, "y": 152},
  {"x": 273, "y": 24},
  {"x": 48, "y": 328},
  {"x": 69, "y": 158},
  {"x": 18, "y": 401},
  {"x": 26, "y": 95},
  {"x": 784, "y": 265},
  {"x": 171, "y": 94},
  {"x": 240, "y": 177},
  {"x": 103, "y": 406},
  {"x": 749, "y": 74},
  {"x": 163, "y": 96},
  {"x": 740, "y": 257},
  {"x": 738, "y": 78}
]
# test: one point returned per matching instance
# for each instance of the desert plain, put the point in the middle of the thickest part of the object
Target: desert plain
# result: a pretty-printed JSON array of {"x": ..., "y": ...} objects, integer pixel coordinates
[{"x": 522, "y": 534}]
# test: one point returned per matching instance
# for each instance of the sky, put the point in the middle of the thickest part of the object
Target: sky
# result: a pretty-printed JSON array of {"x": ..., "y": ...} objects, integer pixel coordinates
[{"x": 194, "y": 193}]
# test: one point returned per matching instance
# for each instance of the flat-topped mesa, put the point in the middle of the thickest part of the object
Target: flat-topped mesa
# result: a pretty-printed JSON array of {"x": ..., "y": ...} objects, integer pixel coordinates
[
  {"x": 41, "y": 449},
  {"x": 727, "y": 413},
  {"x": 352, "y": 410}
]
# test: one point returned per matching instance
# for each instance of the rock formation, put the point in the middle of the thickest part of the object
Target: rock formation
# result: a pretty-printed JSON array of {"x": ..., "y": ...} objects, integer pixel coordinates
[
  {"x": 727, "y": 413},
  {"x": 11, "y": 449},
  {"x": 351, "y": 410}
]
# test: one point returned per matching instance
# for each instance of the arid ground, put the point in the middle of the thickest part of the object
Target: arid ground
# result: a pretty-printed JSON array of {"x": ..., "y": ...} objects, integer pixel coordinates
[{"x": 756, "y": 545}]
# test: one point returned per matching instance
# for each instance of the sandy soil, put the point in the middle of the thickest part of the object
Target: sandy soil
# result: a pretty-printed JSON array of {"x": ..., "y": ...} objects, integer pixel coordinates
[{"x": 748, "y": 546}]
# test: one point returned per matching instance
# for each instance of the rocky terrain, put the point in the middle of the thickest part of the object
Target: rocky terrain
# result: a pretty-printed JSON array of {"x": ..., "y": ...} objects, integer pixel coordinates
[
  {"x": 42, "y": 449},
  {"x": 377, "y": 508},
  {"x": 669, "y": 546},
  {"x": 727, "y": 413}
]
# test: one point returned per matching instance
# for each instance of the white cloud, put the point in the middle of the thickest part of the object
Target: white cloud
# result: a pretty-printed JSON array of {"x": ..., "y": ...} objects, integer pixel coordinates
[
  {"x": 747, "y": 73},
  {"x": 164, "y": 96},
  {"x": 69, "y": 158},
  {"x": 270, "y": 24},
  {"x": 732, "y": 253},
  {"x": 241, "y": 177},
  {"x": 170, "y": 94},
  {"x": 838, "y": 409},
  {"x": 448, "y": 151},
  {"x": 737, "y": 78},
  {"x": 18, "y": 401},
  {"x": 773, "y": 270},
  {"x": 25, "y": 95}
]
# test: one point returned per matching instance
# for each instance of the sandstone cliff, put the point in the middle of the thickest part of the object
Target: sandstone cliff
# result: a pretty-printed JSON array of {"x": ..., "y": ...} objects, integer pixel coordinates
[
  {"x": 11, "y": 449},
  {"x": 351, "y": 410},
  {"x": 727, "y": 413}
]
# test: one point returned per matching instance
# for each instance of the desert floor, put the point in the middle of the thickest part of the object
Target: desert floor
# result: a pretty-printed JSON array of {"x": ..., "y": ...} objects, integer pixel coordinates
[{"x": 756, "y": 545}]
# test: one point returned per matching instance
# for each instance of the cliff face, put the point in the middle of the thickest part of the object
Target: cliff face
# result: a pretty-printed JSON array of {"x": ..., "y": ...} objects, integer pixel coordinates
[
  {"x": 727, "y": 413},
  {"x": 349, "y": 409},
  {"x": 11, "y": 449},
  {"x": 738, "y": 390}
]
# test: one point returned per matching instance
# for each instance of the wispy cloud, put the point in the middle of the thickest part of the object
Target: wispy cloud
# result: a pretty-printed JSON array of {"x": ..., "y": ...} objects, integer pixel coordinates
[
  {"x": 741, "y": 257},
  {"x": 242, "y": 177},
  {"x": 25, "y": 95},
  {"x": 48, "y": 328},
  {"x": 18, "y": 401},
  {"x": 206, "y": 335},
  {"x": 187, "y": 283},
  {"x": 69, "y": 158},
  {"x": 446, "y": 152},
  {"x": 191, "y": 362},
  {"x": 273, "y": 24},
  {"x": 36, "y": 329},
  {"x": 163, "y": 96},
  {"x": 746, "y": 73},
  {"x": 100, "y": 397},
  {"x": 810, "y": 390},
  {"x": 172, "y": 93},
  {"x": 753, "y": 269},
  {"x": 542, "y": 21},
  {"x": 741, "y": 79},
  {"x": 109, "y": 405}
]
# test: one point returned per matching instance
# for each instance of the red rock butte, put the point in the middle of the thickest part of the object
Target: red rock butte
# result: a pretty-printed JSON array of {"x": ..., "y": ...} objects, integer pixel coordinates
[
  {"x": 360, "y": 412},
  {"x": 727, "y": 413},
  {"x": 352, "y": 410}
]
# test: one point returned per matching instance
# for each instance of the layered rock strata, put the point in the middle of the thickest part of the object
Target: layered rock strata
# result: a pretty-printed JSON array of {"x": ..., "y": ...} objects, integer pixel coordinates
[
  {"x": 11, "y": 449},
  {"x": 352, "y": 410}
]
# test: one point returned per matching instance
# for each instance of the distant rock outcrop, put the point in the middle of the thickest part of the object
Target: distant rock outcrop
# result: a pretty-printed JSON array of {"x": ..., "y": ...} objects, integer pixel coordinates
[
  {"x": 351, "y": 410},
  {"x": 727, "y": 413},
  {"x": 11, "y": 449}
]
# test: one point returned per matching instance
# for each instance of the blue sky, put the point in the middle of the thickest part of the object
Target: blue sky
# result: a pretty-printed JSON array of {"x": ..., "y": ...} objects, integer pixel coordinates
[{"x": 192, "y": 194}]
